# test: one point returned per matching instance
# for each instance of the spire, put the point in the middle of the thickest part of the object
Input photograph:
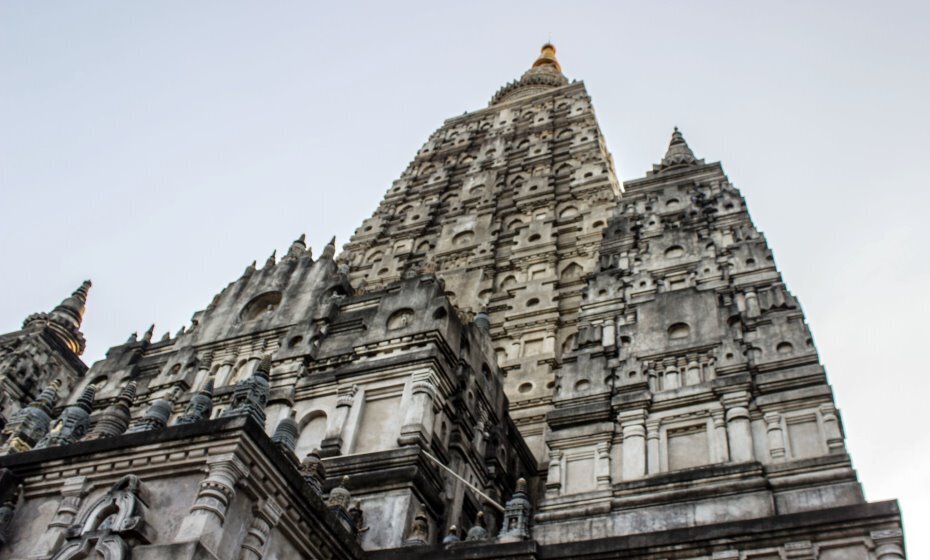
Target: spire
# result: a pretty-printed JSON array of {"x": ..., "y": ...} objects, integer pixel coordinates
[
  {"x": 330, "y": 250},
  {"x": 251, "y": 394},
  {"x": 29, "y": 425},
  {"x": 65, "y": 319},
  {"x": 298, "y": 248},
  {"x": 199, "y": 407},
  {"x": 679, "y": 155},
  {"x": 272, "y": 259},
  {"x": 73, "y": 422},
  {"x": 547, "y": 57},
  {"x": 545, "y": 74},
  {"x": 115, "y": 419},
  {"x": 156, "y": 417},
  {"x": 147, "y": 337},
  {"x": 286, "y": 433}
]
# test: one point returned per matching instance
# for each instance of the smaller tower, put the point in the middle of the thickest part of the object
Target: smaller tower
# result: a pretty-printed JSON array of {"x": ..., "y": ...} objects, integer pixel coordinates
[{"x": 73, "y": 422}]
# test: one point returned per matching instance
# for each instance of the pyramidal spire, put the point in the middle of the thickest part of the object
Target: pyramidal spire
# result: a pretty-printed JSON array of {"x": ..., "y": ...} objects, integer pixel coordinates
[
  {"x": 272, "y": 259},
  {"x": 65, "y": 320},
  {"x": 329, "y": 252},
  {"x": 298, "y": 247},
  {"x": 679, "y": 154},
  {"x": 545, "y": 74}
]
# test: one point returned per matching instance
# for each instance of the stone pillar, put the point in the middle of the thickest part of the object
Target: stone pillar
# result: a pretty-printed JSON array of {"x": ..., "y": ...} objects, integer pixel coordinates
[
  {"x": 672, "y": 376},
  {"x": 693, "y": 371},
  {"x": 554, "y": 477},
  {"x": 752, "y": 304},
  {"x": 216, "y": 492},
  {"x": 420, "y": 415},
  {"x": 634, "y": 443},
  {"x": 739, "y": 432},
  {"x": 602, "y": 465},
  {"x": 889, "y": 544},
  {"x": 222, "y": 374},
  {"x": 831, "y": 428},
  {"x": 652, "y": 446},
  {"x": 266, "y": 517},
  {"x": 332, "y": 440},
  {"x": 72, "y": 494},
  {"x": 776, "y": 436},
  {"x": 609, "y": 335},
  {"x": 720, "y": 436}
]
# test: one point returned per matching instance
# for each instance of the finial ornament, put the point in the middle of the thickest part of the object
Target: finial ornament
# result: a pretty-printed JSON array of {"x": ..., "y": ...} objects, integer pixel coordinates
[
  {"x": 329, "y": 252},
  {"x": 678, "y": 155},
  {"x": 156, "y": 417},
  {"x": 65, "y": 319},
  {"x": 251, "y": 394},
  {"x": 115, "y": 419},
  {"x": 30, "y": 424},
  {"x": 199, "y": 407},
  {"x": 419, "y": 529},
  {"x": 73, "y": 422},
  {"x": 517, "y": 513},
  {"x": 545, "y": 74}
]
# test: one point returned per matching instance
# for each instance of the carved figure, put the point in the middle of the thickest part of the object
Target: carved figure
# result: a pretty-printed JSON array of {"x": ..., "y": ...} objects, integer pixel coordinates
[{"x": 112, "y": 525}]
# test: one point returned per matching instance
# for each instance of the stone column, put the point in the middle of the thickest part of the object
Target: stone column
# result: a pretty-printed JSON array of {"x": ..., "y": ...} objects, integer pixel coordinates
[
  {"x": 421, "y": 413},
  {"x": 266, "y": 517},
  {"x": 222, "y": 374},
  {"x": 889, "y": 544},
  {"x": 602, "y": 465},
  {"x": 332, "y": 440},
  {"x": 672, "y": 380},
  {"x": 72, "y": 494},
  {"x": 693, "y": 371},
  {"x": 752, "y": 304},
  {"x": 831, "y": 428},
  {"x": 652, "y": 446},
  {"x": 216, "y": 492},
  {"x": 634, "y": 443},
  {"x": 776, "y": 436},
  {"x": 609, "y": 335},
  {"x": 554, "y": 477},
  {"x": 720, "y": 436},
  {"x": 738, "y": 429}
]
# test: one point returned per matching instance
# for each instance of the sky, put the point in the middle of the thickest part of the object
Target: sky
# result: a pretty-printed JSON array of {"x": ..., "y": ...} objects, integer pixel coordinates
[{"x": 158, "y": 148}]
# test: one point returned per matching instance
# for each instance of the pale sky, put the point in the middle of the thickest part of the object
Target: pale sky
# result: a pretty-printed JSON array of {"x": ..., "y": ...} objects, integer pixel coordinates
[{"x": 159, "y": 147}]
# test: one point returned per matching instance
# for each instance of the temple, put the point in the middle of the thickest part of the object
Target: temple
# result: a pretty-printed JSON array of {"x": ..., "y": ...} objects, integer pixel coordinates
[{"x": 516, "y": 356}]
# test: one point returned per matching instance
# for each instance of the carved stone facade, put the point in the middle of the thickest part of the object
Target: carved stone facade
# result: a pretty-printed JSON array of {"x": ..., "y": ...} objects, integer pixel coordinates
[{"x": 515, "y": 357}]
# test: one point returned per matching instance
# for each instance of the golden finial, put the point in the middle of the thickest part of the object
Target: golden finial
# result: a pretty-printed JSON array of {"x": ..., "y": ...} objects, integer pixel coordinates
[{"x": 547, "y": 56}]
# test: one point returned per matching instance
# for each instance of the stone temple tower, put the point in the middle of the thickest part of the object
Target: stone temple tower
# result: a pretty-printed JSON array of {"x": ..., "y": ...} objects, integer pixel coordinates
[
  {"x": 507, "y": 205},
  {"x": 516, "y": 357}
]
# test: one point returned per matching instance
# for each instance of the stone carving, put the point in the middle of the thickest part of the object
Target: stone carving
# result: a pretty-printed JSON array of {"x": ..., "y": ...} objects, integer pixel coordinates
[
  {"x": 156, "y": 417},
  {"x": 313, "y": 471},
  {"x": 266, "y": 517},
  {"x": 478, "y": 531},
  {"x": 6, "y": 514},
  {"x": 517, "y": 515},
  {"x": 115, "y": 419},
  {"x": 30, "y": 424},
  {"x": 112, "y": 525},
  {"x": 451, "y": 537},
  {"x": 200, "y": 406},
  {"x": 419, "y": 529},
  {"x": 338, "y": 504},
  {"x": 73, "y": 422},
  {"x": 286, "y": 433},
  {"x": 251, "y": 394},
  {"x": 358, "y": 519}
]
